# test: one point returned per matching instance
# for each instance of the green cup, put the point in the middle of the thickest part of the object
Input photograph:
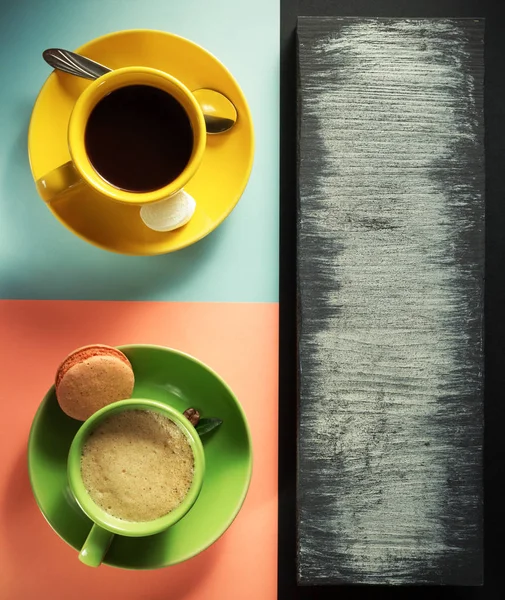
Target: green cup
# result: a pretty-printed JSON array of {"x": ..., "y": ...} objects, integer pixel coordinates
[{"x": 105, "y": 525}]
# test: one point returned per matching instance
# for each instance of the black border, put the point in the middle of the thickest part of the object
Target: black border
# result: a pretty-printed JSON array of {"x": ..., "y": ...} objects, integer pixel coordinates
[{"x": 494, "y": 457}]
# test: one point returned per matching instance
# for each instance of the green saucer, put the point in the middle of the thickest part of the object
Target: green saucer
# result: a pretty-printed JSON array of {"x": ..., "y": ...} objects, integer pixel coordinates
[{"x": 180, "y": 381}]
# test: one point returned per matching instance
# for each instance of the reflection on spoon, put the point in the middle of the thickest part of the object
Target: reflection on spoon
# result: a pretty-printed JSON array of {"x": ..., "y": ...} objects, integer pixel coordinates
[{"x": 218, "y": 111}]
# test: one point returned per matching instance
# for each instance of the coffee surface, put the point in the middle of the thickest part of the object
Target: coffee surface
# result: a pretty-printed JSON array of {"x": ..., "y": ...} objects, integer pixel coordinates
[
  {"x": 139, "y": 138},
  {"x": 137, "y": 465}
]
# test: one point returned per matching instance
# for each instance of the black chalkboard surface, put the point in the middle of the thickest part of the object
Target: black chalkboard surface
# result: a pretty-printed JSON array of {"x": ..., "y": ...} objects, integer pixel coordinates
[{"x": 390, "y": 284}]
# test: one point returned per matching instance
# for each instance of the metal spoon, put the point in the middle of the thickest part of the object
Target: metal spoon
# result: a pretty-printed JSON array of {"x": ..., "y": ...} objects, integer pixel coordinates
[{"x": 218, "y": 111}]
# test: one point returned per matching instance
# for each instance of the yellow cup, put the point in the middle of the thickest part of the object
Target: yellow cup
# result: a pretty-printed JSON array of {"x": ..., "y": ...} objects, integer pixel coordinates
[{"x": 79, "y": 171}]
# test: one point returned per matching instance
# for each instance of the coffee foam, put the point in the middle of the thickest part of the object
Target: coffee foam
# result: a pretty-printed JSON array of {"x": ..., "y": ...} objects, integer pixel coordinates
[{"x": 137, "y": 465}]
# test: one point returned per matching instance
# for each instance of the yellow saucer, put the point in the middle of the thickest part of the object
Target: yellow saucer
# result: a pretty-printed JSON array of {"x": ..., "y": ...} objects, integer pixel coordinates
[{"x": 218, "y": 183}]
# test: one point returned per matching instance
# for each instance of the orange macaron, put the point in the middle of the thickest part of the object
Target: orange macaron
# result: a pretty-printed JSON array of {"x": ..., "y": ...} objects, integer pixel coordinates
[{"x": 92, "y": 377}]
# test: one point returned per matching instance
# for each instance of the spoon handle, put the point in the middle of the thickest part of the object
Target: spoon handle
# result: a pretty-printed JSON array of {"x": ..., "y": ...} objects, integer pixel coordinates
[{"x": 72, "y": 63}]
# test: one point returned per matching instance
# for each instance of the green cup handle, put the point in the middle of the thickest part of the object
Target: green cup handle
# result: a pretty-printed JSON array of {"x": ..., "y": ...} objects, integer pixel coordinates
[{"x": 95, "y": 547}]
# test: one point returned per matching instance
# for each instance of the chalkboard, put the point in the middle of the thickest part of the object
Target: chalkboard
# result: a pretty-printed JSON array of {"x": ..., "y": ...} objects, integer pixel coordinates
[{"x": 390, "y": 259}]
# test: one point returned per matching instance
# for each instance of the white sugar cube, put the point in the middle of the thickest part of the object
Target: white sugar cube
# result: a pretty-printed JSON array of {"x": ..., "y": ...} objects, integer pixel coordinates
[{"x": 169, "y": 214}]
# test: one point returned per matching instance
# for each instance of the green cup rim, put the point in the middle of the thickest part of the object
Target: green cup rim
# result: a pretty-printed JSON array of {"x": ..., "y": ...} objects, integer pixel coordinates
[{"x": 100, "y": 516}]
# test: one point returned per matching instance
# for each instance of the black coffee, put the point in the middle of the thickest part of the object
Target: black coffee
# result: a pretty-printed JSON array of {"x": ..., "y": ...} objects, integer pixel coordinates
[{"x": 139, "y": 138}]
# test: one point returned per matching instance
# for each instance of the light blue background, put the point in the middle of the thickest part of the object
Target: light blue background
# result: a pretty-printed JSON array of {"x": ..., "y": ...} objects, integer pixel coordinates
[{"x": 39, "y": 258}]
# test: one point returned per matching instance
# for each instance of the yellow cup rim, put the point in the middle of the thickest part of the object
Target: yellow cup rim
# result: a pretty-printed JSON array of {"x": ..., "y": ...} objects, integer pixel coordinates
[{"x": 106, "y": 84}]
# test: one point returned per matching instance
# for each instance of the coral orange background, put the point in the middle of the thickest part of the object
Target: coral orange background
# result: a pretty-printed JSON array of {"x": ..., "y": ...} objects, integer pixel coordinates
[{"x": 240, "y": 342}]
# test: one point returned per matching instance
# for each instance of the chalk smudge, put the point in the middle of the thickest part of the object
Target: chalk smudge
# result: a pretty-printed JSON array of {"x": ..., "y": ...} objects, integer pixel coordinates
[{"x": 390, "y": 289}]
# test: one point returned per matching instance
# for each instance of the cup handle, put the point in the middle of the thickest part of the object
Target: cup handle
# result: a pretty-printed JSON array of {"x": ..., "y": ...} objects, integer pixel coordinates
[
  {"x": 58, "y": 181},
  {"x": 95, "y": 547}
]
